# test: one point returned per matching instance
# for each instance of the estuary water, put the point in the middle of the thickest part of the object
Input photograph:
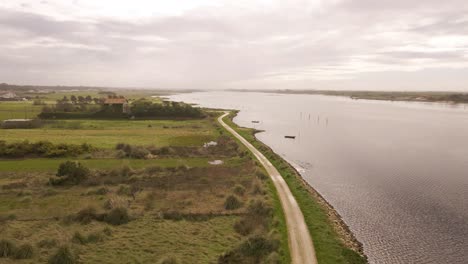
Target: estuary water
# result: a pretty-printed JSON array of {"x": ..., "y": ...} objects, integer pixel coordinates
[{"x": 397, "y": 172}]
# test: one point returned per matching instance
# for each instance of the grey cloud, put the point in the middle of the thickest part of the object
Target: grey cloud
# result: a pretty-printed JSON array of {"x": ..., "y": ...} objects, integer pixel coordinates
[{"x": 233, "y": 47}]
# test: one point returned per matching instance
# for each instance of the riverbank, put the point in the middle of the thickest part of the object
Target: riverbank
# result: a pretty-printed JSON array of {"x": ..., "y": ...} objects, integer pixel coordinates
[
  {"x": 333, "y": 241},
  {"x": 404, "y": 96}
]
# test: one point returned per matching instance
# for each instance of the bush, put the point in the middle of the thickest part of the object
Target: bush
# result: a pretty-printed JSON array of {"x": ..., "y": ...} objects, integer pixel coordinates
[
  {"x": 259, "y": 207},
  {"x": 139, "y": 153},
  {"x": 232, "y": 203},
  {"x": 10, "y": 217},
  {"x": 120, "y": 154},
  {"x": 100, "y": 191},
  {"x": 25, "y": 251},
  {"x": 107, "y": 231},
  {"x": 257, "y": 189},
  {"x": 41, "y": 149},
  {"x": 273, "y": 258},
  {"x": 47, "y": 243},
  {"x": 70, "y": 172},
  {"x": 63, "y": 256},
  {"x": 258, "y": 245},
  {"x": 78, "y": 238},
  {"x": 94, "y": 238},
  {"x": 252, "y": 250},
  {"x": 124, "y": 190},
  {"x": 117, "y": 216},
  {"x": 239, "y": 189},
  {"x": 120, "y": 146},
  {"x": 7, "y": 248},
  {"x": 243, "y": 227},
  {"x": 261, "y": 175},
  {"x": 85, "y": 216},
  {"x": 126, "y": 171}
]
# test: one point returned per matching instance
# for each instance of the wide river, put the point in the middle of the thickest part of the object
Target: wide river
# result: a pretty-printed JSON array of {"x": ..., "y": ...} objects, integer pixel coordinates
[{"x": 396, "y": 172}]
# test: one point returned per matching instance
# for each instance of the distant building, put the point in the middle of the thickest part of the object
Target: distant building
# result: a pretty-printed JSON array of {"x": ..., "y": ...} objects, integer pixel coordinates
[
  {"x": 118, "y": 104},
  {"x": 8, "y": 95},
  {"x": 19, "y": 123}
]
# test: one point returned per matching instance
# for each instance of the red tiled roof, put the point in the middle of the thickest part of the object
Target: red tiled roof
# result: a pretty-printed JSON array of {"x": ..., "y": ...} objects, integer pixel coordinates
[{"x": 115, "y": 101}]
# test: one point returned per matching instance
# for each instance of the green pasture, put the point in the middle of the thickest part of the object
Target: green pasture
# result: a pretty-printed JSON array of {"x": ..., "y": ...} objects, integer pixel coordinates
[
  {"x": 13, "y": 110},
  {"x": 108, "y": 133}
]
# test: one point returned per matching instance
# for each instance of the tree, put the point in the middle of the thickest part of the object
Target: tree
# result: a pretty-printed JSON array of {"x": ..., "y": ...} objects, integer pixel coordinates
[
  {"x": 89, "y": 99},
  {"x": 81, "y": 99},
  {"x": 73, "y": 99}
]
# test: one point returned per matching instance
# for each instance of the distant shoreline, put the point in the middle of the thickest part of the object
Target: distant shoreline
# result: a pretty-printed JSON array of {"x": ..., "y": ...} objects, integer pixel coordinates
[{"x": 428, "y": 97}]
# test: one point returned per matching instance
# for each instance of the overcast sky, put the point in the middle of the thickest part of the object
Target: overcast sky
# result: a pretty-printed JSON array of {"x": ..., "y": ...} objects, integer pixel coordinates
[{"x": 267, "y": 44}]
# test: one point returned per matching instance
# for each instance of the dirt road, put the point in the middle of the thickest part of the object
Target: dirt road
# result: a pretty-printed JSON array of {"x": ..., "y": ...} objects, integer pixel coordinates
[{"x": 300, "y": 242}]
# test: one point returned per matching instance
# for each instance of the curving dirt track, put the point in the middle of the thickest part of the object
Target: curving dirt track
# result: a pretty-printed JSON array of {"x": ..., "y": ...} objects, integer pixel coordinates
[{"x": 300, "y": 241}]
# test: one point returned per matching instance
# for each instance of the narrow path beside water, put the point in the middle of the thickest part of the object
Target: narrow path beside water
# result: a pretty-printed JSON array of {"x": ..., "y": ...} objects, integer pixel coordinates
[{"x": 300, "y": 241}]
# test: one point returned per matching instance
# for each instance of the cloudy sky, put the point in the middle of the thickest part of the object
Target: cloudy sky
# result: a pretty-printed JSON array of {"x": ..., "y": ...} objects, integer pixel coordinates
[{"x": 266, "y": 44}]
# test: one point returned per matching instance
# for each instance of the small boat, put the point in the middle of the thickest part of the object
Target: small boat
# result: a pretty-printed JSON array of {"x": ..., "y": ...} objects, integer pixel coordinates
[
  {"x": 292, "y": 137},
  {"x": 255, "y": 121}
]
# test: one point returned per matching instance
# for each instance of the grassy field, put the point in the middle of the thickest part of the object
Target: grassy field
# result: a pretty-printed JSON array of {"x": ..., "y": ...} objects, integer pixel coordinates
[
  {"x": 176, "y": 205},
  {"x": 329, "y": 245},
  {"x": 12, "y": 110},
  {"x": 107, "y": 133}
]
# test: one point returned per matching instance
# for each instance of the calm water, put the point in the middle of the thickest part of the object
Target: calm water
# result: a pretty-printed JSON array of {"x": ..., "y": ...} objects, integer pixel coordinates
[{"x": 396, "y": 172}]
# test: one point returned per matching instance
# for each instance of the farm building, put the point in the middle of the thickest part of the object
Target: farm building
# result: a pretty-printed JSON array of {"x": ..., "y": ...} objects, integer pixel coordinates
[
  {"x": 19, "y": 123},
  {"x": 117, "y": 104},
  {"x": 7, "y": 95}
]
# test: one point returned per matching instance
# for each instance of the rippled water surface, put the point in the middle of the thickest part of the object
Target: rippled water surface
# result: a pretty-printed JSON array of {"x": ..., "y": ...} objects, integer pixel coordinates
[{"x": 396, "y": 172}]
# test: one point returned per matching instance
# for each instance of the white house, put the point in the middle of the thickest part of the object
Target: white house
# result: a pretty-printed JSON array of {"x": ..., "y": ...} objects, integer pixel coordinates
[{"x": 7, "y": 95}]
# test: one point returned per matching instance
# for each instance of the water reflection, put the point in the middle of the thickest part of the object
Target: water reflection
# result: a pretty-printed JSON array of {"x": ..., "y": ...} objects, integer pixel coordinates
[{"x": 397, "y": 172}]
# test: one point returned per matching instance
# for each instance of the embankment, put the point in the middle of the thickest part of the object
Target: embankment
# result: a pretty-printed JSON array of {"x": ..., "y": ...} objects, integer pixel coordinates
[{"x": 333, "y": 241}]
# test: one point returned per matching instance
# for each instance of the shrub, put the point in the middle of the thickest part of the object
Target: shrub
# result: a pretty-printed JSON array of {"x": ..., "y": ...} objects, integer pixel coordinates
[
  {"x": 41, "y": 149},
  {"x": 232, "y": 203},
  {"x": 86, "y": 215},
  {"x": 273, "y": 258},
  {"x": 257, "y": 189},
  {"x": 47, "y": 243},
  {"x": 239, "y": 189},
  {"x": 243, "y": 227},
  {"x": 261, "y": 175},
  {"x": 117, "y": 216},
  {"x": 120, "y": 146},
  {"x": 7, "y": 248},
  {"x": 70, "y": 172},
  {"x": 4, "y": 218},
  {"x": 139, "y": 153},
  {"x": 126, "y": 171},
  {"x": 259, "y": 207},
  {"x": 100, "y": 191},
  {"x": 120, "y": 154},
  {"x": 78, "y": 238},
  {"x": 107, "y": 231},
  {"x": 124, "y": 190},
  {"x": 115, "y": 202},
  {"x": 94, "y": 238},
  {"x": 258, "y": 245},
  {"x": 25, "y": 251},
  {"x": 63, "y": 256},
  {"x": 164, "y": 151}
]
